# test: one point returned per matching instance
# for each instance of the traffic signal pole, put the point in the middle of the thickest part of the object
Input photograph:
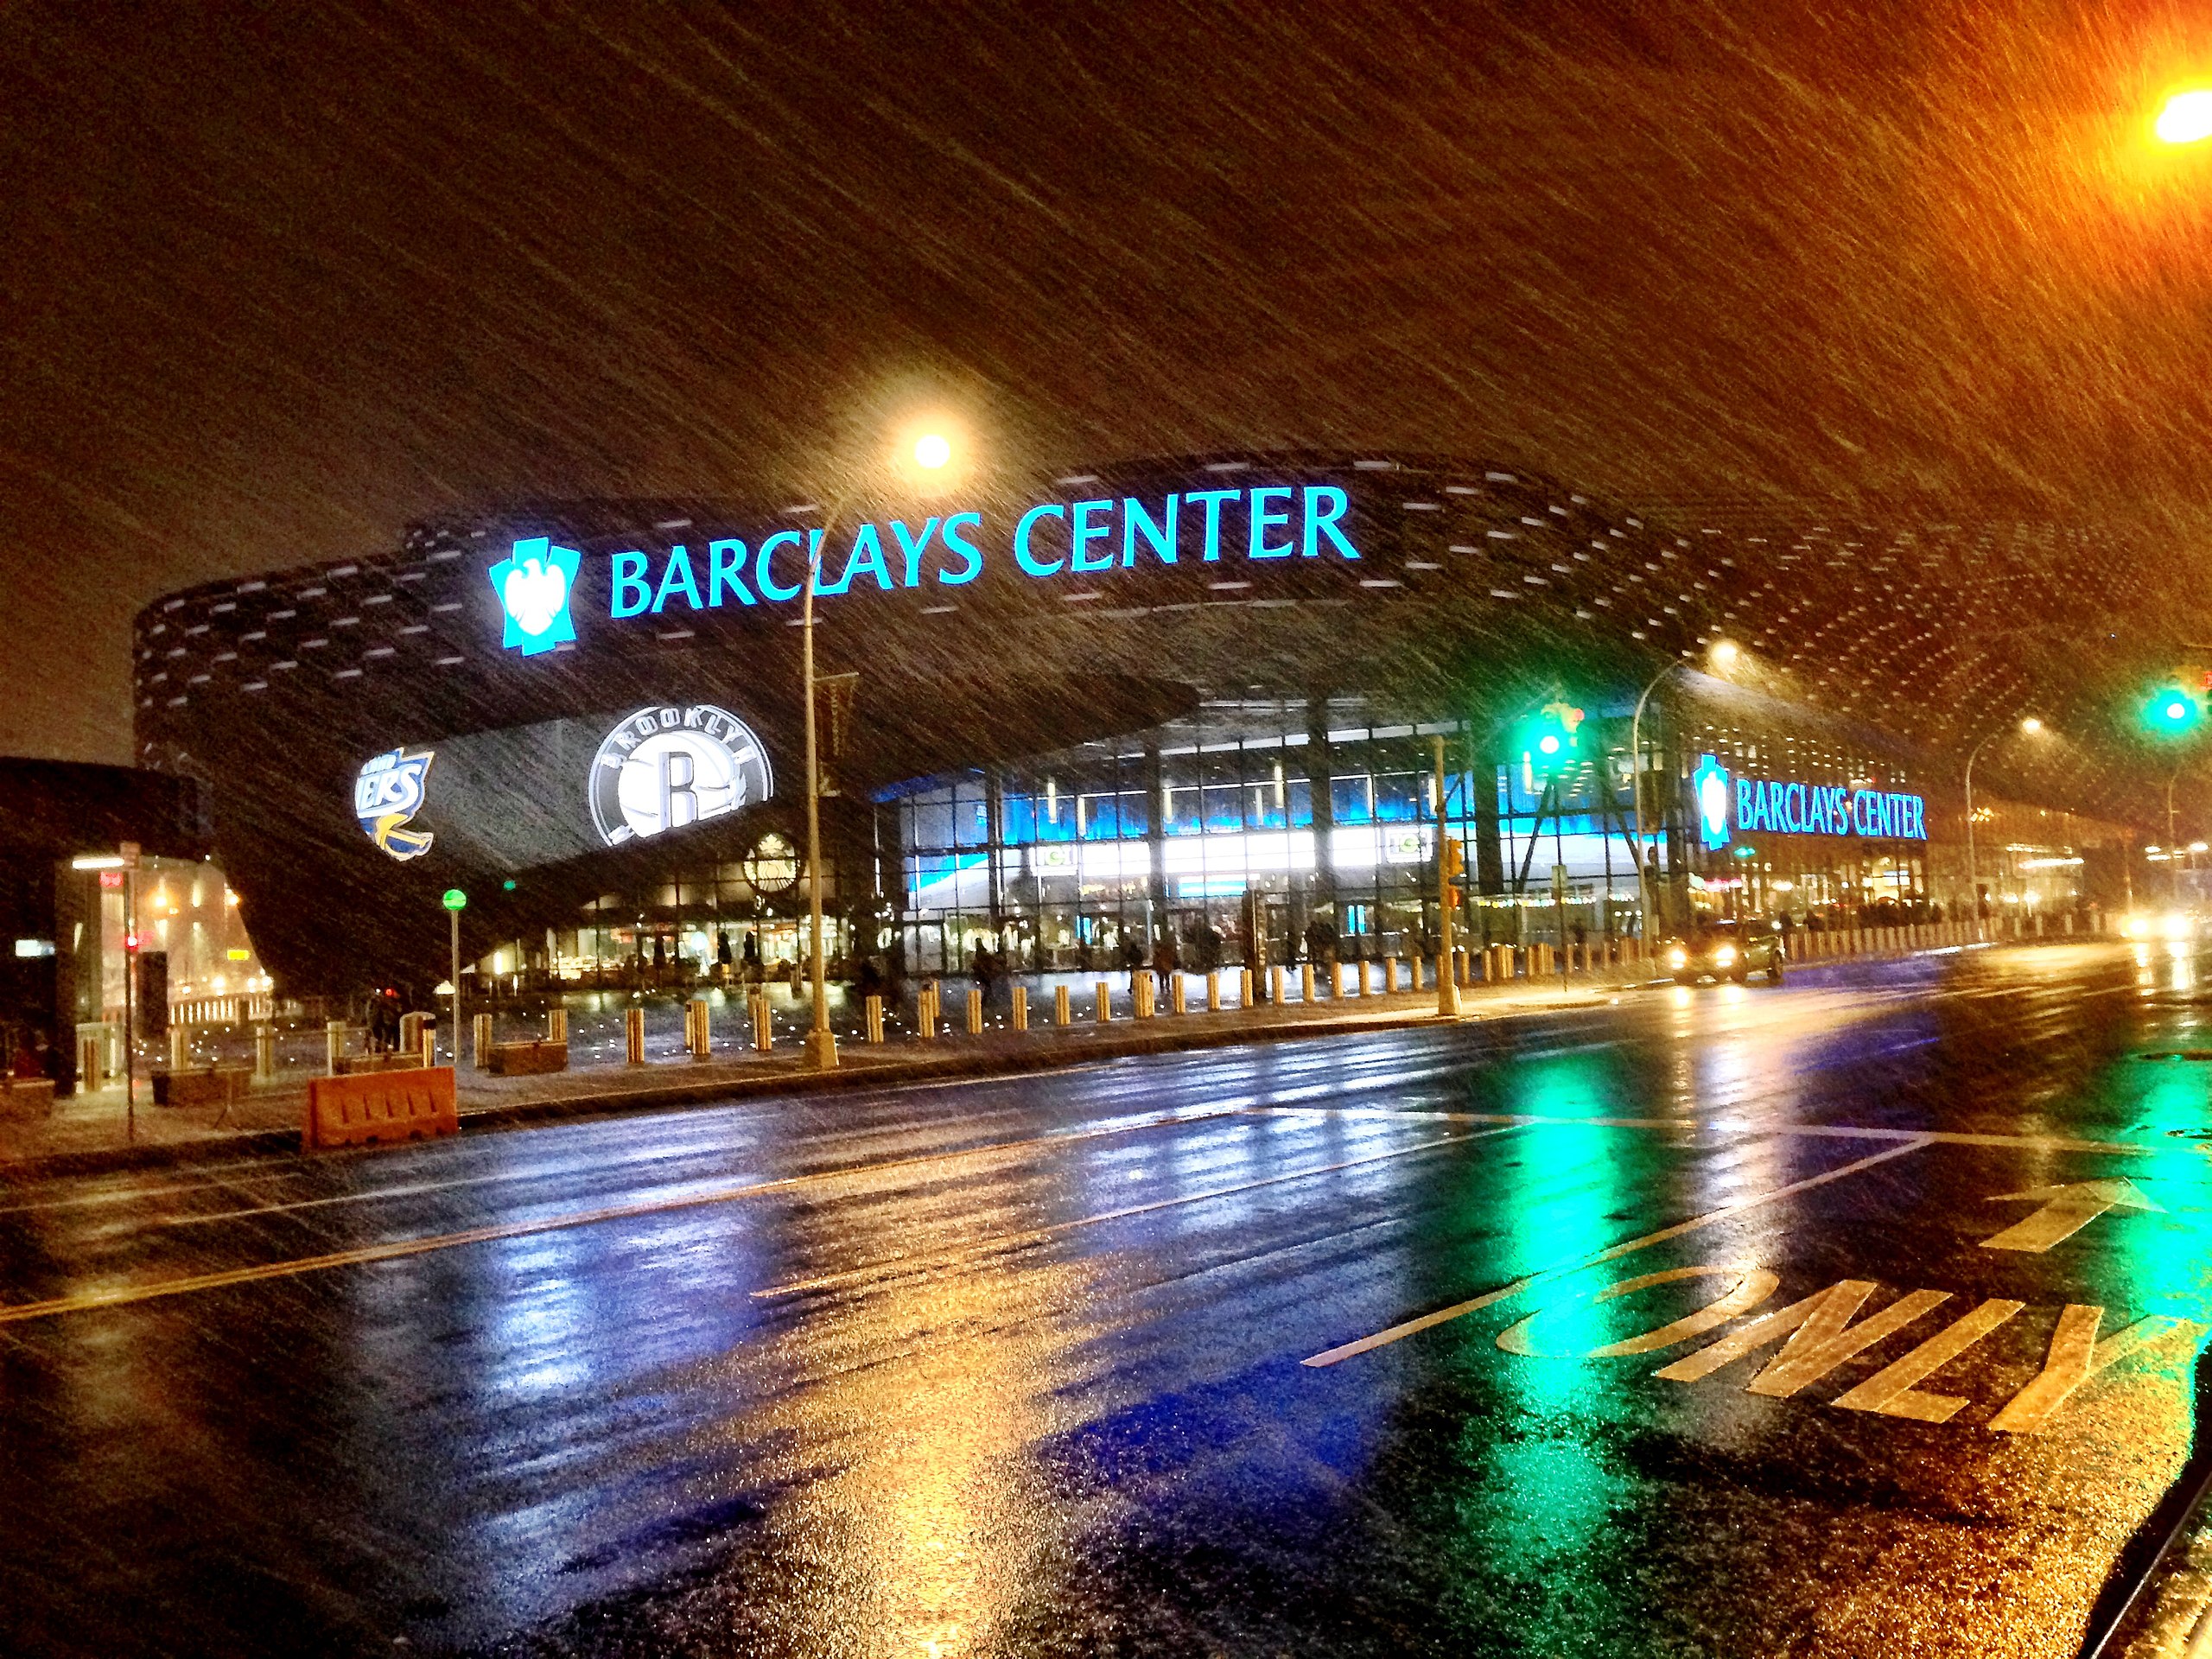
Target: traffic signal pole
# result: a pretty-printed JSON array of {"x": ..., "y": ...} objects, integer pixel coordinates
[{"x": 1447, "y": 856}]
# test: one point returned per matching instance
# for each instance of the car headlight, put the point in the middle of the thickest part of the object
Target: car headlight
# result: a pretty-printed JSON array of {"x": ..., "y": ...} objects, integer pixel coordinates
[
  {"x": 2138, "y": 926},
  {"x": 1678, "y": 957},
  {"x": 1726, "y": 955},
  {"x": 2176, "y": 926}
]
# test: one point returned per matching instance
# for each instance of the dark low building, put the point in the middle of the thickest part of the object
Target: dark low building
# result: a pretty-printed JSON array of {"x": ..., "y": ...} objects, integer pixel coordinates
[
  {"x": 1206, "y": 698},
  {"x": 62, "y": 888}
]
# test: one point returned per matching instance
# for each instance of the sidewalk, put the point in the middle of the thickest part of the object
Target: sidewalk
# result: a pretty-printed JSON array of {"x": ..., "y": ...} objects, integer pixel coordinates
[{"x": 89, "y": 1134}]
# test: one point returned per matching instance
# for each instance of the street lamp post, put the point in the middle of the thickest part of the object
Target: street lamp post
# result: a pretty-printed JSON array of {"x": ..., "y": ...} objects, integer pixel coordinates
[
  {"x": 932, "y": 454},
  {"x": 821, "y": 1041},
  {"x": 2030, "y": 725},
  {"x": 1724, "y": 655}
]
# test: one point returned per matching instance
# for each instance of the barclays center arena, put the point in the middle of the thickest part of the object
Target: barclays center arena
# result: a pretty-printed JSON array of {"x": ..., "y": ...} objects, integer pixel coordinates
[{"x": 1210, "y": 697}]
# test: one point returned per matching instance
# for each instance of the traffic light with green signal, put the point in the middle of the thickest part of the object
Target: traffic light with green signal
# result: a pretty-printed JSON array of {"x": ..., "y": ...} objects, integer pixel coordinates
[
  {"x": 1549, "y": 741},
  {"x": 2172, "y": 712}
]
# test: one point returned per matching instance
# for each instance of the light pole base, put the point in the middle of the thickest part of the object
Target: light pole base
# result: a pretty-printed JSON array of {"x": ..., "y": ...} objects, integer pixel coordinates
[{"x": 821, "y": 1051}]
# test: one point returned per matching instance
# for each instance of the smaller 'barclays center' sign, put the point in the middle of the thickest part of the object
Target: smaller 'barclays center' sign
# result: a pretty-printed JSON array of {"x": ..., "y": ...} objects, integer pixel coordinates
[
  {"x": 540, "y": 586},
  {"x": 1727, "y": 805}
]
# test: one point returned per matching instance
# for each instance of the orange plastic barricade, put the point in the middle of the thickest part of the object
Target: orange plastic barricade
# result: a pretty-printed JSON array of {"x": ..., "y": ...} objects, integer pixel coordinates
[{"x": 380, "y": 1106}]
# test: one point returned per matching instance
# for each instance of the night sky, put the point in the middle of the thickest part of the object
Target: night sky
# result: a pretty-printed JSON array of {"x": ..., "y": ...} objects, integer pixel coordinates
[{"x": 278, "y": 278}]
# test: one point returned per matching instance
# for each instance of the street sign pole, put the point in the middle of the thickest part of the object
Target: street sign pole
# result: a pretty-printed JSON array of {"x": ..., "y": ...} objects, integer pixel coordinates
[{"x": 455, "y": 901}]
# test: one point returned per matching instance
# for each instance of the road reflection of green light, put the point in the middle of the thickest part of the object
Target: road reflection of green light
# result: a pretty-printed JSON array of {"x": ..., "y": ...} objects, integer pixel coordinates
[{"x": 1539, "y": 1479}]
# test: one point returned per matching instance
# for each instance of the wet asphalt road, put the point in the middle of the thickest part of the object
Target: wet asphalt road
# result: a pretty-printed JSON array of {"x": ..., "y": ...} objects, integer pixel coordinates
[{"x": 1142, "y": 1357}]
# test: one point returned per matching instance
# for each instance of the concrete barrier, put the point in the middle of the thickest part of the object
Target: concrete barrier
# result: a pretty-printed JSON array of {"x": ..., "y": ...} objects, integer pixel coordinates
[
  {"x": 383, "y": 1106},
  {"x": 529, "y": 1059}
]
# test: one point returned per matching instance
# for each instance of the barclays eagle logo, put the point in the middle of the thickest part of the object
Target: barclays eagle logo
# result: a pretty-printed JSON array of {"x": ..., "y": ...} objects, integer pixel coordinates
[{"x": 534, "y": 584}]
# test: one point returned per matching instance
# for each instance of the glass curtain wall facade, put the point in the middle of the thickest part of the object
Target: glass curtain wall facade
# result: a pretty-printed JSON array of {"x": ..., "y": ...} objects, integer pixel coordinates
[{"x": 1313, "y": 821}]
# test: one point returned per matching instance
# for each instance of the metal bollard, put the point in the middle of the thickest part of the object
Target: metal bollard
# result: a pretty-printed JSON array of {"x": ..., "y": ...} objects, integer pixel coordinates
[
  {"x": 1020, "y": 1013},
  {"x": 925, "y": 1012},
  {"x": 1389, "y": 975},
  {"x": 1463, "y": 968},
  {"x": 1306, "y": 982},
  {"x": 703, "y": 1036},
  {"x": 180, "y": 1048},
  {"x": 763, "y": 1021},
  {"x": 1141, "y": 987},
  {"x": 557, "y": 1025},
  {"x": 975, "y": 1014},
  {"x": 1336, "y": 979},
  {"x": 1276, "y": 979},
  {"x": 334, "y": 1045},
  {"x": 1105, "y": 1003},
  {"x": 1213, "y": 990},
  {"x": 88, "y": 1063},
  {"x": 875, "y": 1019},
  {"x": 1244, "y": 987},
  {"x": 1062, "y": 1014},
  {"x": 1175, "y": 1004},
  {"x": 634, "y": 1036},
  {"x": 482, "y": 1033}
]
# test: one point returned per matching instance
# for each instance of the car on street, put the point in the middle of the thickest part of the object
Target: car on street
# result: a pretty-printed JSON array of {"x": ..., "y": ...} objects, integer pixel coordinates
[{"x": 1726, "y": 950}]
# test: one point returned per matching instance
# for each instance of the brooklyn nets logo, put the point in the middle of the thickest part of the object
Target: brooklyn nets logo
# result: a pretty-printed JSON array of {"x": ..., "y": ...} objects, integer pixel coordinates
[
  {"x": 387, "y": 792},
  {"x": 666, "y": 767}
]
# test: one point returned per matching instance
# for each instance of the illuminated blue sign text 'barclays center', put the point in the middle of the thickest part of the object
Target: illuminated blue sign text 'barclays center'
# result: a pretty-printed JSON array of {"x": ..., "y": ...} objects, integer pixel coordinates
[
  {"x": 1052, "y": 539},
  {"x": 1825, "y": 810}
]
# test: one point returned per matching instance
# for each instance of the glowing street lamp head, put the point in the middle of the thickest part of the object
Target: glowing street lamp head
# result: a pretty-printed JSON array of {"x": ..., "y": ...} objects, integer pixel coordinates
[
  {"x": 2031, "y": 726},
  {"x": 2186, "y": 118},
  {"x": 1725, "y": 652},
  {"x": 933, "y": 451}
]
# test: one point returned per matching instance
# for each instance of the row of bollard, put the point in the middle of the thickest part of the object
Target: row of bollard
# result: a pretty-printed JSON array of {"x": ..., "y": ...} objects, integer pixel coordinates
[{"x": 1477, "y": 965}]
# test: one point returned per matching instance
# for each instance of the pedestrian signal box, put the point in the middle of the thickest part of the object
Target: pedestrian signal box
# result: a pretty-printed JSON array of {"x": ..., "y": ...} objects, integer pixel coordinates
[{"x": 1455, "y": 862}]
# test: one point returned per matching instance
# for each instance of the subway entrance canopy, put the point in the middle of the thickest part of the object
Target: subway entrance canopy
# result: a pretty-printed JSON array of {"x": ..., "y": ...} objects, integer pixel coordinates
[{"x": 1091, "y": 709}]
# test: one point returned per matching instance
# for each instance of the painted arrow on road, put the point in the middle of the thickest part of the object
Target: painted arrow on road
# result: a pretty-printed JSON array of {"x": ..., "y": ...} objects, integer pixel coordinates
[{"x": 2066, "y": 1210}]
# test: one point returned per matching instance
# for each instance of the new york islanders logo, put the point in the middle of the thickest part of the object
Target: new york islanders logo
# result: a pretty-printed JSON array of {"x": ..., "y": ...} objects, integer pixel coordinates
[{"x": 387, "y": 792}]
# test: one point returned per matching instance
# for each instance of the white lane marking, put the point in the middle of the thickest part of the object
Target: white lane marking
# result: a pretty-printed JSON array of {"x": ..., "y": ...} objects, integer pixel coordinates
[
  {"x": 1734, "y": 1125},
  {"x": 1444, "y": 1315},
  {"x": 1000, "y": 1242},
  {"x": 393, "y": 1250}
]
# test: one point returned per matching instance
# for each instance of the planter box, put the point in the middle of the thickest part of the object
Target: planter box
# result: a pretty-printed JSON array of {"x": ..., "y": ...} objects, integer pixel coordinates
[
  {"x": 201, "y": 1085},
  {"x": 26, "y": 1097},
  {"x": 525, "y": 1059}
]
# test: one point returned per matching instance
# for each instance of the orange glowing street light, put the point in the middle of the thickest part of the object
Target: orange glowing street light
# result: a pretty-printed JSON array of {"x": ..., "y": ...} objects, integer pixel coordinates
[{"x": 2186, "y": 118}]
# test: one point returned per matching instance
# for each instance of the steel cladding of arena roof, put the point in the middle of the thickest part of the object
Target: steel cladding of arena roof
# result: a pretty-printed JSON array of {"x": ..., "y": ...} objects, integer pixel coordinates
[{"x": 1942, "y": 624}]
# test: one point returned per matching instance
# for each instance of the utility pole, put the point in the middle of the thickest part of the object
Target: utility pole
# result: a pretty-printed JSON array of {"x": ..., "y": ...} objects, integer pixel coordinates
[{"x": 455, "y": 901}]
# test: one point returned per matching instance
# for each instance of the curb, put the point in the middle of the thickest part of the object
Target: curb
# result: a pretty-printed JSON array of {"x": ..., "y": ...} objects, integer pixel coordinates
[{"x": 248, "y": 1144}]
